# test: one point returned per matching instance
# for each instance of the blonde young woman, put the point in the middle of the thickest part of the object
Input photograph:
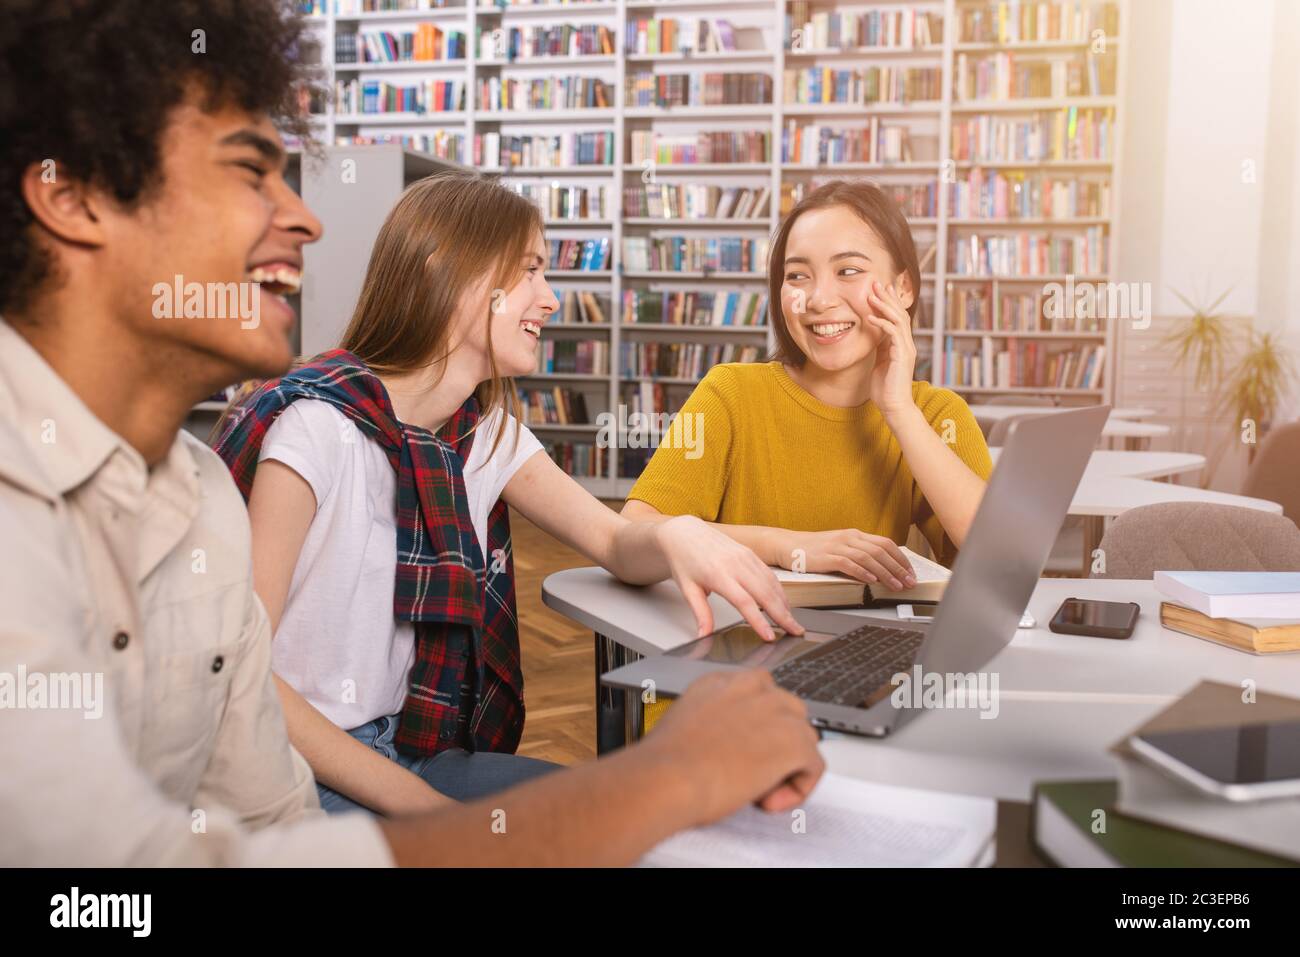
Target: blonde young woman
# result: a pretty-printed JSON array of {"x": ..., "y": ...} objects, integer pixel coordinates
[
  {"x": 378, "y": 478},
  {"x": 827, "y": 455}
]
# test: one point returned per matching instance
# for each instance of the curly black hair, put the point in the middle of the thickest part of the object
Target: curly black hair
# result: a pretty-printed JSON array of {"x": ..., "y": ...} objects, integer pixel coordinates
[{"x": 90, "y": 84}]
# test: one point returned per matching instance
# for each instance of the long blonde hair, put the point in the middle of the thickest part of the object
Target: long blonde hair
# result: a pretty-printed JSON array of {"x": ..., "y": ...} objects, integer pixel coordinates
[
  {"x": 446, "y": 231},
  {"x": 444, "y": 234}
]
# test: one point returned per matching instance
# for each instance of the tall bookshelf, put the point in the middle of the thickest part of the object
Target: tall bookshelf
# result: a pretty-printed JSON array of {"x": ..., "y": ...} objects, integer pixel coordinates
[{"x": 950, "y": 55}]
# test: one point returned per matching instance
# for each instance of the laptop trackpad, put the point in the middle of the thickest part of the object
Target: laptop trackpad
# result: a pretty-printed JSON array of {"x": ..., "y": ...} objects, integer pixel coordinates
[{"x": 741, "y": 646}]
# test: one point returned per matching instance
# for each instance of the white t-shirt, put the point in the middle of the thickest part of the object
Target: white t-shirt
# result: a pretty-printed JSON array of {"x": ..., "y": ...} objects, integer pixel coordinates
[{"x": 338, "y": 643}]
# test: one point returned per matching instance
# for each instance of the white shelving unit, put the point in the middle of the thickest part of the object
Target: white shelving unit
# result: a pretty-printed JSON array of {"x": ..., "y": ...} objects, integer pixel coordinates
[{"x": 936, "y": 118}]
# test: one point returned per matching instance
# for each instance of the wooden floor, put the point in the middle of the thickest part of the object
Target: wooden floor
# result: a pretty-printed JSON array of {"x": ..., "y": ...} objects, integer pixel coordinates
[{"x": 559, "y": 667}]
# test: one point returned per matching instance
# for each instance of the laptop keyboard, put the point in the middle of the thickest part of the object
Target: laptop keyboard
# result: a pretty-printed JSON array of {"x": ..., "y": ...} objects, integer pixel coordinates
[{"x": 847, "y": 669}]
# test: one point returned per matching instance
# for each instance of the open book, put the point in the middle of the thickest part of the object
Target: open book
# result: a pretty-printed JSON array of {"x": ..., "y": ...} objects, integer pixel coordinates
[
  {"x": 812, "y": 590},
  {"x": 844, "y": 823}
]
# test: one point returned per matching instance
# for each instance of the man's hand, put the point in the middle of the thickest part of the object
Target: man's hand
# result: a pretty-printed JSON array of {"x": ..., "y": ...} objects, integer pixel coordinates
[{"x": 739, "y": 739}]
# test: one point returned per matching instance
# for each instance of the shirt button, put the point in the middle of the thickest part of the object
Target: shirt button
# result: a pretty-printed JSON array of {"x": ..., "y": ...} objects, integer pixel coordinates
[
  {"x": 217, "y": 663},
  {"x": 120, "y": 640}
]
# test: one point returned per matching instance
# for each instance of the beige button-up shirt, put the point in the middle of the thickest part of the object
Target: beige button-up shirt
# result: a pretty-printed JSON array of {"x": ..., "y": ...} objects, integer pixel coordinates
[{"x": 139, "y": 724}]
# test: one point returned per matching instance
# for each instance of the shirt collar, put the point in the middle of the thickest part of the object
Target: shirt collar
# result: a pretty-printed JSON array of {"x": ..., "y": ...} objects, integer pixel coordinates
[{"x": 69, "y": 441}]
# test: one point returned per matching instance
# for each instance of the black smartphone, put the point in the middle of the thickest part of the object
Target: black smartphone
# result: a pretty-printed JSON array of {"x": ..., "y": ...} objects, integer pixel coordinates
[{"x": 1099, "y": 619}]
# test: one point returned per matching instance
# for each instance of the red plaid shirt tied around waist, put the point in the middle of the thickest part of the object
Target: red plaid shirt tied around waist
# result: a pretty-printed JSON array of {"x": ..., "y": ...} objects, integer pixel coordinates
[{"x": 466, "y": 687}]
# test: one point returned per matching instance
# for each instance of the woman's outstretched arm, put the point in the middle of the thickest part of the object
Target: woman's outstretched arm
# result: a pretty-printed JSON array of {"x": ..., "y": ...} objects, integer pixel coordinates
[{"x": 700, "y": 559}]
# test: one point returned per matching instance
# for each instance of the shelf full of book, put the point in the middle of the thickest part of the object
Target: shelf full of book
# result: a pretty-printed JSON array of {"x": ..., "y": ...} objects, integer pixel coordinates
[{"x": 664, "y": 142}]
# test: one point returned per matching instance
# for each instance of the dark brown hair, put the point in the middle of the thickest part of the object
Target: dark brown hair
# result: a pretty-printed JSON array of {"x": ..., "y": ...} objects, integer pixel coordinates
[
  {"x": 91, "y": 86},
  {"x": 875, "y": 208}
]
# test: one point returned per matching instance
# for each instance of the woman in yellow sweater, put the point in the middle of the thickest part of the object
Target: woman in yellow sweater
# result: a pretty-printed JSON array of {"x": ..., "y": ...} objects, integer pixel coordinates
[{"x": 823, "y": 458}]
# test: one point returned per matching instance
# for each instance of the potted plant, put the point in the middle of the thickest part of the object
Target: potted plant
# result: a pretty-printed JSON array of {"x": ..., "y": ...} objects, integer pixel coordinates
[
  {"x": 1250, "y": 389},
  {"x": 1256, "y": 386},
  {"x": 1203, "y": 340}
]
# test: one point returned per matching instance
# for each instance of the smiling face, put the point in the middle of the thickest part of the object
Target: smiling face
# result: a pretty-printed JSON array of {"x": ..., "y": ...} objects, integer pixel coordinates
[
  {"x": 831, "y": 258},
  {"x": 223, "y": 214},
  {"x": 515, "y": 315}
]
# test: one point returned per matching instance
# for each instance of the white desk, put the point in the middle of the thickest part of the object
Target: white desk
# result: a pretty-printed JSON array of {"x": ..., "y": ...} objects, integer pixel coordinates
[
  {"x": 1134, "y": 434},
  {"x": 1139, "y": 465},
  {"x": 994, "y": 412},
  {"x": 1063, "y": 700},
  {"x": 1115, "y": 481},
  {"x": 1100, "y": 497}
]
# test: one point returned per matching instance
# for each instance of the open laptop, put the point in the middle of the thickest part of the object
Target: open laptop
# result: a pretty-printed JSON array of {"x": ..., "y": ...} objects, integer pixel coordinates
[{"x": 843, "y": 666}]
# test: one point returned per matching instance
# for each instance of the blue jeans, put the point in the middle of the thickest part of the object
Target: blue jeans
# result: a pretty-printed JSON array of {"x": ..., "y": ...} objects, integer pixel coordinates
[{"x": 455, "y": 773}]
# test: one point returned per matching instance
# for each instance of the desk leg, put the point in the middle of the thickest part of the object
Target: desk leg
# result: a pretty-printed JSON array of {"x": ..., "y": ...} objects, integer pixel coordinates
[
  {"x": 1094, "y": 526},
  {"x": 633, "y": 715},
  {"x": 619, "y": 715}
]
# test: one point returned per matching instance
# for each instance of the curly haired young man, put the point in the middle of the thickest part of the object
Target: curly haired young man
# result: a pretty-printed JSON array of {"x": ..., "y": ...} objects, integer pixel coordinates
[{"x": 132, "y": 154}]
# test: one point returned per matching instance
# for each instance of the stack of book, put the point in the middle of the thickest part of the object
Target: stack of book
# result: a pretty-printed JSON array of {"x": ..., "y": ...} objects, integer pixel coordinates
[
  {"x": 581, "y": 357},
  {"x": 819, "y": 144},
  {"x": 556, "y": 406},
  {"x": 582, "y": 307},
  {"x": 1150, "y": 817},
  {"x": 1071, "y": 134},
  {"x": 546, "y": 93},
  {"x": 697, "y": 89},
  {"x": 444, "y": 144},
  {"x": 426, "y": 43},
  {"x": 916, "y": 200},
  {"x": 647, "y": 36},
  {"x": 1016, "y": 195},
  {"x": 878, "y": 29},
  {"x": 678, "y": 253},
  {"x": 534, "y": 43},
  {"x": 864, "y": 86},
  {"x": 696, "y": 201},
  {"x": 687, "y": 308},
  {"x": 495, "y": 150},
  {"x": 1256, "y": 612},
  {"x": 727, "y": 146},
  {"x": 1009, "y": 363},
  {"x": 376, "y": 96},
  {"x": 587, "y": 255},
  {"x": 575, "y": 203},
  {"x": 651, "y": 397},
  {"x": 677, "y": 360},
  {"x": 1027, "y": 254},
  {"x": 1005, "y": 76},
  {"x": 1009, "y": 21}
]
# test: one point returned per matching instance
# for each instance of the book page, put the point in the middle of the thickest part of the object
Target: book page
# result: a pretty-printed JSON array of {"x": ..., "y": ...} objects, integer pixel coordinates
[
  {"x": 846, "y": 823},
  {"x": 1239, "y": 583}
]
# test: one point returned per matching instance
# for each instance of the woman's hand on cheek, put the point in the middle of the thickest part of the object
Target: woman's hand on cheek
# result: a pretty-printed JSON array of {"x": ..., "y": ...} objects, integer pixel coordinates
[
  {"x": 704, "y": 561},
  {"x": 891, "y": 377}
]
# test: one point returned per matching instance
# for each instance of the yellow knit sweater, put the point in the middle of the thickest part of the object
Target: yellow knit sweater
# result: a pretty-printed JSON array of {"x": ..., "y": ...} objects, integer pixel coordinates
[{"x": 760, "y": 450}]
